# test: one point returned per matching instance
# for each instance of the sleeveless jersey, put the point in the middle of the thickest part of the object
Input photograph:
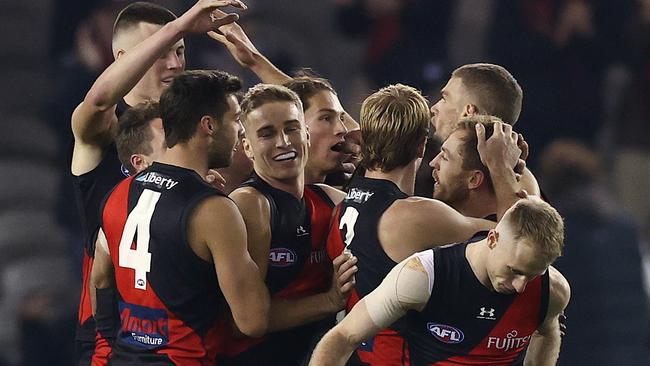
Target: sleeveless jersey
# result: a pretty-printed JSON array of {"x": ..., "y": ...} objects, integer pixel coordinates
[
  {"x": 355, "y": 226},
  {"x": 298, "y": 267},
  {"x": 168, "y": 298},
  {"x": 465, "y": 323},
  {"x": 90, "y": 189}
]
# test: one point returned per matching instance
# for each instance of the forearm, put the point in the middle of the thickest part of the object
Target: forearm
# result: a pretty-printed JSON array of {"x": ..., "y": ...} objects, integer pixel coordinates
[
  {"x": 267, "y": 72},
  {"x": 123, "y": 74},
  {"x": 505, "y": 187},
  {"x": 303, "y": 311},
  {"x": 333, "y": 349},
  {"x": 251, "y": 312},
  {"x": 543, "y": 350}
]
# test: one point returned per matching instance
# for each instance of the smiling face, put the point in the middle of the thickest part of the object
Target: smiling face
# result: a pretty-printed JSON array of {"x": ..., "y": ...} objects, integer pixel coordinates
[
  {"x": 277, "y": 141},
  {"x": 325, "y": 119}
]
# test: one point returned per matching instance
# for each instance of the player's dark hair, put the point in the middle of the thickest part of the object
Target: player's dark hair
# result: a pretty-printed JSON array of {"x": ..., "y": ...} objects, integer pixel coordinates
[
  {"x": 471, "y": 160},
  {"x": 495, "y": 90},
  {"x": 192, "y": 95},
  {"x": 307, "y": 87},
  {"x": 142, "y": 12},
  {"x": 133, "y": 133}
]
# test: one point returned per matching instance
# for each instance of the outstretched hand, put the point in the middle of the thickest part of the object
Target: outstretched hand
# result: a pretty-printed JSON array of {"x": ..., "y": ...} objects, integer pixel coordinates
[
  {"x": 204, "y": 16},
  {"x": 235, "y": 39}
]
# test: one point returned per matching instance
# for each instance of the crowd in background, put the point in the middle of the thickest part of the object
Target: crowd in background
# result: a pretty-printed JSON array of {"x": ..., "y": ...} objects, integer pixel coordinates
[{"x": 584, "y": 66}]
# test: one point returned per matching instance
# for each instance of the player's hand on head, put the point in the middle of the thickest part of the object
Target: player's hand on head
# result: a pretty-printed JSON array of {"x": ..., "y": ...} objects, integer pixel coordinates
[
  {"x": 501, "y": 148},
  {"x": 523, "y": 146},
  {"x": 562, "y": 321},
  {"x": 237, "y": 42},
  {"x": 204, "y": 16},
  {"x": 342, "y": 280},
  {"x": 215, "y": 179}
]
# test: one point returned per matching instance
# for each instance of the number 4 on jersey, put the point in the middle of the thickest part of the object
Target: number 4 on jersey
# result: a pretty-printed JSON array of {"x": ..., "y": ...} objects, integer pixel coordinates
[
  {"x": 347, "y": 221},
  {"x": 138, "y": 222}
]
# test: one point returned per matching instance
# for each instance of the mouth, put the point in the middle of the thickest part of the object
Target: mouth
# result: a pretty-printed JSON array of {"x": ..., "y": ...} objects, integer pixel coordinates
[
  {"x": 167, "y": 80},
  {"x": 434, "y": 174},
  {"x": 290, "y": 155},
  {"x": 339, "y": 147}
]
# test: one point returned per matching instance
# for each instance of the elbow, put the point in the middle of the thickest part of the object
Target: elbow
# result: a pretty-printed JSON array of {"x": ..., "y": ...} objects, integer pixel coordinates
[
  {"x": 254, "y": 328},
  {"x": 98, "y": 98}
]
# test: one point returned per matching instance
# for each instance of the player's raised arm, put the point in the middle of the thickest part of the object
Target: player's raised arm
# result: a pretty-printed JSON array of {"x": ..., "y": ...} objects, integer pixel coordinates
[
  {"x": 93, "y": 119},
  {"x": 247, "y": 55},
  {"x": 500, "y": 154},
  {"x": 218, "y": 223}
]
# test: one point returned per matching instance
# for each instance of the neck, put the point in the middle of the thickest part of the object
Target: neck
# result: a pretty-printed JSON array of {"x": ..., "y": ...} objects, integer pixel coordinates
[
  {"x": 234, "y": 178},
  {"x": 295, "y": 185},
  {"x": 479, "y": 204},
  {"x": 403, "y": 177},
  {"x": 313, "y": 175},
  {"x": 187, "y": 156},
  {"x": 476, "y": 254}
]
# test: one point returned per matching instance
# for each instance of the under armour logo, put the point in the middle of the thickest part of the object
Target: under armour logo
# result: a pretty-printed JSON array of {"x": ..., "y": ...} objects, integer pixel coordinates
[
  {"x": 300, "y": 231},
  {"x": 488, "y": 312}
]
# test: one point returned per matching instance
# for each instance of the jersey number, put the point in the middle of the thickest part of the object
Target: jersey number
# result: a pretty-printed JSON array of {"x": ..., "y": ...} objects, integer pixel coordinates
[
  {"x": 348, "y": 220},
  {"x": 138, "y": 223}
]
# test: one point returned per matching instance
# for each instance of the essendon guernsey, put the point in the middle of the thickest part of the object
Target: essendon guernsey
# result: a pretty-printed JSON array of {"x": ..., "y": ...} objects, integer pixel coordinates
[
  {"x": 465, "y": 323},
  {"x": 168, "y": 297}
]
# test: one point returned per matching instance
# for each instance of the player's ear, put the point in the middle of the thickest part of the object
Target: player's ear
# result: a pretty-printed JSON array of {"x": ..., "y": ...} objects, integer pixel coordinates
[
  {"x": 247, "y": 148},
  {"x": 208, "y": 125},
  {"x": 138, "y": 162},
  {"x": 475, "y": 180},
  {"x": 492, "y": 238},
  {"x": 470, "y": 110}
]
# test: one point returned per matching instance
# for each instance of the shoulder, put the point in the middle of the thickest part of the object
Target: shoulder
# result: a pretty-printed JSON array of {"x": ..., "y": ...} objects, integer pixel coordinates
[
  {"x": 249, "y": 197},
  {"x": 253, "y": 205},
  {"x": 215, "y": 206},
  {"x": 416, "y": 209},
  {"x": 559, "y": 292},
  {"x": 334, "y": 194}
]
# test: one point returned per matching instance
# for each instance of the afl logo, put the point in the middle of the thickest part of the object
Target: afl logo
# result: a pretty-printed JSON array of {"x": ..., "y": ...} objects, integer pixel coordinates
[
  {"x": 446, "y": 333},
  {"x": 125, "y": 171},
  {"x": 282, "y": 257}
]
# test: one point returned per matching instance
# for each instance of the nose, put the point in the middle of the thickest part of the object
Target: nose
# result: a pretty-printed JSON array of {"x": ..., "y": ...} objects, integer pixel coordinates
[
  {"x": 340, "y": 129},
  {"x": 519, "y": 284},
  {"x": 434, "y": 162},
  {"x": 434, "y": 108},
  {"x": 174, "y": 61},
  {"x": 283, "y": 140}
]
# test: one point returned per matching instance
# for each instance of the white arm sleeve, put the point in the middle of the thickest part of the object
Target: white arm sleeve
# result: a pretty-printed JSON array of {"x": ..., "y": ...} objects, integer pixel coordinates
[{"x": 407, "y": 286}]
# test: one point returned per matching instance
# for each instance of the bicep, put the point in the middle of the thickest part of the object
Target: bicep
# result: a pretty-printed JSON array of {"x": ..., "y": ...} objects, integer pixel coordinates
[
  {"x": 407, "y": 287},
  {"x": 256, "y": 214}
]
